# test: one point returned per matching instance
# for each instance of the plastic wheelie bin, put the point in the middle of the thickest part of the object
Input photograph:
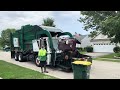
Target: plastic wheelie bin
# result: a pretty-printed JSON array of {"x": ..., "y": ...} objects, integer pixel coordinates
[{"x": 81, "y": 69}]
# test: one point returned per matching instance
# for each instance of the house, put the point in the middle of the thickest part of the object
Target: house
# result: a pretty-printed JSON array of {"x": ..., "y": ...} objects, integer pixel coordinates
[
  {"x": 84, "y": 39},
  {"x": 101, "y": 43}
]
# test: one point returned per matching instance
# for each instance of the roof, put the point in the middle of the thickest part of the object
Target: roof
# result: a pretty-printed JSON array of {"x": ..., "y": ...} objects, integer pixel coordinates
[
  {"x": 51, "y": 29},
  {"x": 79, "y": 38}
]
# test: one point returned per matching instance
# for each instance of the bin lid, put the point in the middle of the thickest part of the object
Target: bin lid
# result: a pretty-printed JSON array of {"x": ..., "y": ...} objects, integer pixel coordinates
[{"x": 82, "y": 63}]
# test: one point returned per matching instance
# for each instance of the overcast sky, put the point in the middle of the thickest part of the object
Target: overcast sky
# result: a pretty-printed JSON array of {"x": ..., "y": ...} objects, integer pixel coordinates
[{"x": 65, "y": 20}]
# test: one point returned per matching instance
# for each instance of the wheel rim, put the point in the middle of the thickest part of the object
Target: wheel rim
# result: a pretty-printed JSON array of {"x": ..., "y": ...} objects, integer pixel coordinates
[
  {"x": 15, "y": 57},
  {"x": 19, "y": 57},
  {"x": 37, "y": 62}
]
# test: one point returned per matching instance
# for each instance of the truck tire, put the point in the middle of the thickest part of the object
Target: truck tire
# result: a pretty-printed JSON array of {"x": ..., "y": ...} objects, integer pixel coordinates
[
  {"x": 37, "y": 62},
  {"x": 20, "y": 57},
  {"x": 16, "y": 57}
]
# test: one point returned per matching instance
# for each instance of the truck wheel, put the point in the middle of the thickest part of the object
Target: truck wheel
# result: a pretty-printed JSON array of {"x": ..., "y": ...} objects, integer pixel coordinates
[
  {"x": 20, "y": 57},
  {"x": 16, "y": 56},
  {"x": 37, "y": 62}
]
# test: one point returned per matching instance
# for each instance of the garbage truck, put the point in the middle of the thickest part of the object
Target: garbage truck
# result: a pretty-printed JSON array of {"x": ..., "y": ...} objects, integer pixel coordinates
[{"x": 60, "y": 46}]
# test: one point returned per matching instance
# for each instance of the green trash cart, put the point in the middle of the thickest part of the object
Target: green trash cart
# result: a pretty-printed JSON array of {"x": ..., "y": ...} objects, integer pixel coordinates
[{"x": 81, "y": 69}]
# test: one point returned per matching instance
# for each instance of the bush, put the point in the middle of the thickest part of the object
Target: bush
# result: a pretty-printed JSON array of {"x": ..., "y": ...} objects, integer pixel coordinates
[
  {"x": 116, "y": 49},
  {"x": 80, "y": 49},
  {"x": 118, "y": 54},
  {"x": 89, "y": 49}
]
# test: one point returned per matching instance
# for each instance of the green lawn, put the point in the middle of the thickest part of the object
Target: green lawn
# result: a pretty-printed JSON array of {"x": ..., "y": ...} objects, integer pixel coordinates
[
  {"x": 101, "y": 59},
  {"x": 11, "y": 71},
  {"x": 110, "y": 55},
  {"x": 82, "y": 52}
]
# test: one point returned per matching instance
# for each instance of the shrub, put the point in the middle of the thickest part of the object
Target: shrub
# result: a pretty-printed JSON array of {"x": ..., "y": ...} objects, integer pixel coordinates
[
  {"x": 116, "y": 49},
  {"x": 89, "y": 49},
  {"x": 118, "y": 54},
  {"x": 80, "y": 48}
]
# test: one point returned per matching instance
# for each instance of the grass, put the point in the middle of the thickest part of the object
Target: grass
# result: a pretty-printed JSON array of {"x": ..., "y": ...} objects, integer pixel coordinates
[
  {"x": 83, "y": 52},
  {"x": 102, "y": 59},
  {"x": 109, "y": 55},
  {"x": 11, "y": 71}
]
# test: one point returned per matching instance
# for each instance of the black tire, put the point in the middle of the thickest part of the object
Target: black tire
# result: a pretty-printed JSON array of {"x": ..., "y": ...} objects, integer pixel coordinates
[
  {"x": 37, "y": 62},
  {"x": 16, "y": 57},
  {"x": 20, "y": 57}
]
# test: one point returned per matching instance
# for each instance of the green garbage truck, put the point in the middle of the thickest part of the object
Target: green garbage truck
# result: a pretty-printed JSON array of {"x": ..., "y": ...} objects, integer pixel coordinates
[{"x": 26, "y": 42}]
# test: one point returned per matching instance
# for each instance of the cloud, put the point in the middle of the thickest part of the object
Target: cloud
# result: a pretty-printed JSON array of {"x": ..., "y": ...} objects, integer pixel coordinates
[
  {"x": 15, "y": 19},
  {"x": 65, "y": 20},
  {"x": 70, "y": 13}
]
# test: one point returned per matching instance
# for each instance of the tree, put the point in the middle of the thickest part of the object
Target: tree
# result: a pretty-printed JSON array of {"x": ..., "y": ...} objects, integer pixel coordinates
[
  {"x": 48, "y": 22},
  {"x": 5, "y": 37},
  {"x": 105, "y": 22}
]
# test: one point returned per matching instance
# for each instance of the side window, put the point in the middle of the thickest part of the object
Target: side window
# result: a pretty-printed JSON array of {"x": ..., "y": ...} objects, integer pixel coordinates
[
  {"x": 45, "y": 44},
  {"x": 38, "y": 42}
]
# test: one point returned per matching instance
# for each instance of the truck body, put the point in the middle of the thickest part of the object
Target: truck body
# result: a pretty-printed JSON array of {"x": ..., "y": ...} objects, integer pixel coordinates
[{"x": 26, "y": 42}]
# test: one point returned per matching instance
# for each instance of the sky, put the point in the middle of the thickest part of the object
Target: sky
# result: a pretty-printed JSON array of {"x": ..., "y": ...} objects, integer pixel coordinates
[{"x": 64, "y": 20}]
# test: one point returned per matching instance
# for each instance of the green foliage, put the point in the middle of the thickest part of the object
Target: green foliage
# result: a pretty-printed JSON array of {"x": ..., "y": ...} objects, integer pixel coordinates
[
  {"x": 105, "y": 22},
  {"x": 48, "y": 22},
  {"x": 116, "y": 49},
  {"x": 89, "y": 49},
  {"x": 109, "y": 55},
  {"x": 5, "y": 37},
  {"x": 80, "y": 49},
  {"x": 118, "y": 54}
]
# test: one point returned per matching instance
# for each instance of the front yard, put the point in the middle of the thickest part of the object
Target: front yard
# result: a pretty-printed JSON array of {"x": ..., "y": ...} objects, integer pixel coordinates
[
  {"x": 109, "y": 57},
  {"x": 11, "y": 71}
]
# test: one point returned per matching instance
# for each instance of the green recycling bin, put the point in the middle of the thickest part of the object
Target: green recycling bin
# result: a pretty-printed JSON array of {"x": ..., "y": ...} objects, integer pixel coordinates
[{"x": 81, "y": 69}]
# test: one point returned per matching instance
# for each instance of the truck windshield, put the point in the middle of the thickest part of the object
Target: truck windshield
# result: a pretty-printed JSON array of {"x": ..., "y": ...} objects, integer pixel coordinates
[{"x": 55, "y": 44}]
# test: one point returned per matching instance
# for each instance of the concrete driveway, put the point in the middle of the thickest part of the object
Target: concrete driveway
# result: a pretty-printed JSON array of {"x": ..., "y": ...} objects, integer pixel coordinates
[{"x": 94, "y": 55}]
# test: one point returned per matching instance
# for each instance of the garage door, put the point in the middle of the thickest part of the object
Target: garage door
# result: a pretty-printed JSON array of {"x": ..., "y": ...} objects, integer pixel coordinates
[{"x": 103, "y": 47}]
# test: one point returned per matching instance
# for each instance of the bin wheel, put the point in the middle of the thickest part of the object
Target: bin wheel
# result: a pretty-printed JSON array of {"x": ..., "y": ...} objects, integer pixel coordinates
[
  {"x": 16, "y": 57},
  {"x": 37, "y": 62},
  {"x": 20, "y": 57}
]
